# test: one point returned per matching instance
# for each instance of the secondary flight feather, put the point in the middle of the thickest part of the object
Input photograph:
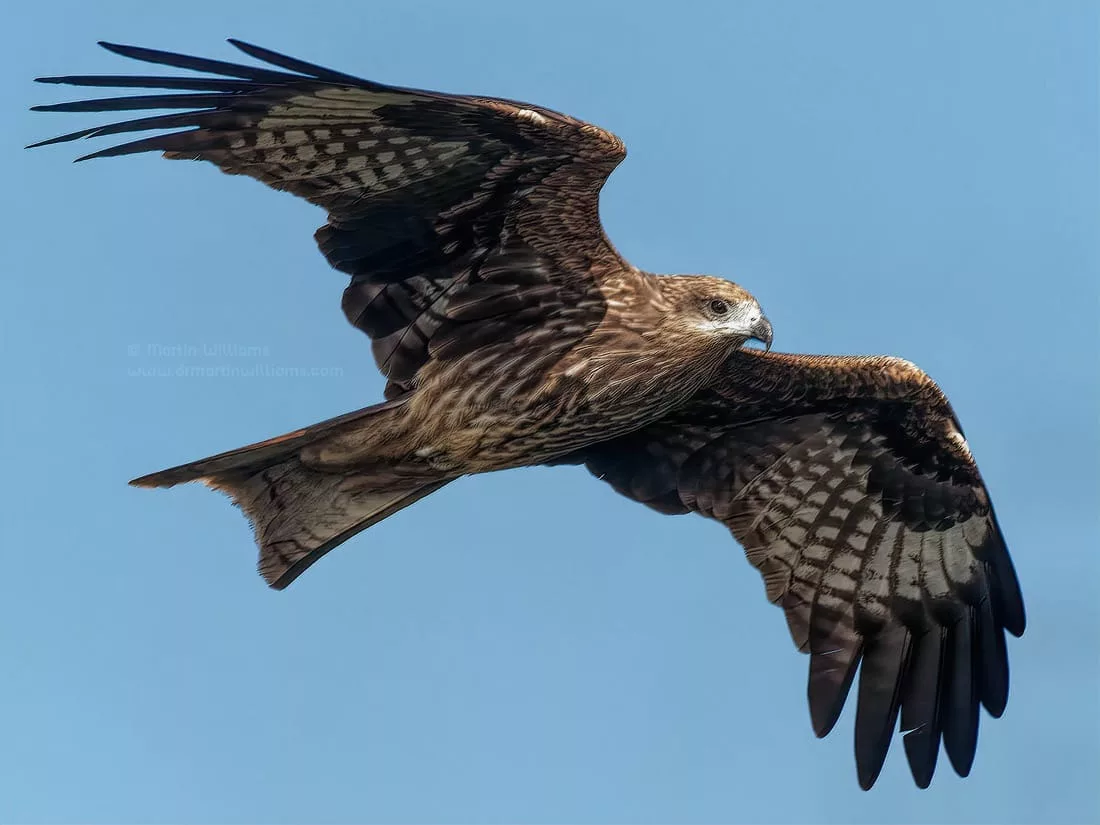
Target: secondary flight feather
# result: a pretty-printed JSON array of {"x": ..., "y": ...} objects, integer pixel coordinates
[{"x": 512, "y": 333}]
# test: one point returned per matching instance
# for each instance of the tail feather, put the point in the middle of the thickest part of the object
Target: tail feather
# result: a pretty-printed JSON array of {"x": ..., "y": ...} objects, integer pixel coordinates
[
  {"x": 298, "y": 513},
  {"x": 255, "y": 457}
]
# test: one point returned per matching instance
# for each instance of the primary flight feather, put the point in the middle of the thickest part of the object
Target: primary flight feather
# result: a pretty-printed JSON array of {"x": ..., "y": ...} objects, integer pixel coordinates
[{"x": 511, "y": 333}]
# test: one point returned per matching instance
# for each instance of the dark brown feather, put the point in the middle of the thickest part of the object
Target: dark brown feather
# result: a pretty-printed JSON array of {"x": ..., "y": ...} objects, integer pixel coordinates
[
  {"x": 920, "y": 706},
  {"x": 424, "y": 191},
  {"x": 885, "y": 659},
  {"x": 849, "y": 484}
]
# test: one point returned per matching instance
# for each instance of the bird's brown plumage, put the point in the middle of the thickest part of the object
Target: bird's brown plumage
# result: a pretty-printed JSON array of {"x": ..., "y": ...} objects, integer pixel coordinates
[
  {"x": 850, "y": 485},
  {"x": 511, "y": 332}
]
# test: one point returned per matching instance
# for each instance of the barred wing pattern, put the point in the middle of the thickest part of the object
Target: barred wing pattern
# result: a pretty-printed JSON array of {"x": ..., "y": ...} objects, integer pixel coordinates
[
  {"x": 850, "y": 485},
  {"x": 464, "y": 221}
]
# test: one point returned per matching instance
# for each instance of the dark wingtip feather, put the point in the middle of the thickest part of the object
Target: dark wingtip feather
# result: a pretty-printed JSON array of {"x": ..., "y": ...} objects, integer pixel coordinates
[
  {"x": 61, "y": 138},
  {"x": 64, "y": 138},
  {"x": 138, "y": 125},
  {"x": 292, "y": 64},
  {"x": 208, "y": 84},
  {"x": 960, "y": 724},
  {"x": 149, "y": 482},
  {"x": 197, "y": 64},
  {"x": 184, "y": 141},
  {"x": 831, "y": 675},
  {"x": 993, "y": 661},
  {"x": 920, "y": 708},
  {"x": 1008, "y": 600},
  {"x": 134, "y": 147},
  {"x": 117, "y": 48},
  {"x": 885, "y": 659},
  {"x": 132, "y": 102},
  {"x": 922, "y": 749}
]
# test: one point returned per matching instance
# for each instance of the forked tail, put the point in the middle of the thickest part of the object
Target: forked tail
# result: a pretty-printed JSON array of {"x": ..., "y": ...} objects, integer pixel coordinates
[{"x": 299, "y": 513}]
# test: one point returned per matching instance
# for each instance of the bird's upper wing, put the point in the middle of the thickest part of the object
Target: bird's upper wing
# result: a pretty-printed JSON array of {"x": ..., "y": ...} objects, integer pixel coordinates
[
  {"x": 463, "y": 221},
  {"x": 850, "y": 485}
]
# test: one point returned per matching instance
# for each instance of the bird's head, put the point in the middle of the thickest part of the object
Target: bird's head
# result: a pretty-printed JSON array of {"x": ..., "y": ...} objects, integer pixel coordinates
[{"x": 715, "y": 309}]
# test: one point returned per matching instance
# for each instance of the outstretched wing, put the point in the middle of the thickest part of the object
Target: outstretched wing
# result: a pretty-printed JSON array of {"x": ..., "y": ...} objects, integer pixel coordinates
[
  {"x": 850, "y": 485},
  {"x": 463, "y": 221}
]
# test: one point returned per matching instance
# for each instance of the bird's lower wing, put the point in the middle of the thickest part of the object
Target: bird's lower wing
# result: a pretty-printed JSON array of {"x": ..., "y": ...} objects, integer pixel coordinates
[{"x": 849, "y": 484}]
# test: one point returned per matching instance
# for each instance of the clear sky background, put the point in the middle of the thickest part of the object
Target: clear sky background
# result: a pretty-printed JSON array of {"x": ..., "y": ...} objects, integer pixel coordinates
[{"x": 912, "y": 179}]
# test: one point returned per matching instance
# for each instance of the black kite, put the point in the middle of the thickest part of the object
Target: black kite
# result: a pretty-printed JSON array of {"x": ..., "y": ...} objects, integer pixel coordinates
[{"x": 512, "y": 333}]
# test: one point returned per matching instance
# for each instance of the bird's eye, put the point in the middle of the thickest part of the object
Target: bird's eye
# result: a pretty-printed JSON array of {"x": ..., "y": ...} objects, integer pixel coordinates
[{"x": 719, "y": 307}]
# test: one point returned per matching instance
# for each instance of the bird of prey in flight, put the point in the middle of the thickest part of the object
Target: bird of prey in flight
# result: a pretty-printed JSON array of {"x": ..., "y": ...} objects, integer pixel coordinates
[{"x": 511, "y": 333}]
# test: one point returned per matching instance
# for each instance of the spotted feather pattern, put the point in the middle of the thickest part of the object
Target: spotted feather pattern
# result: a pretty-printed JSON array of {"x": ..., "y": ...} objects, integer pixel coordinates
[
  {"x": 449, "y": 212},
  {"x": 852, "y": 490}
]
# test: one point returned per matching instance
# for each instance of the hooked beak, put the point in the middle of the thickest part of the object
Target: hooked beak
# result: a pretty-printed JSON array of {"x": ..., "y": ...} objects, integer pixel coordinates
[{"x": 761, "y": 331}]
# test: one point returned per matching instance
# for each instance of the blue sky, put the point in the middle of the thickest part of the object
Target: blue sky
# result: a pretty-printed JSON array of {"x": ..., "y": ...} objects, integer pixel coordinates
[{"x": 528, "y": 647}]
